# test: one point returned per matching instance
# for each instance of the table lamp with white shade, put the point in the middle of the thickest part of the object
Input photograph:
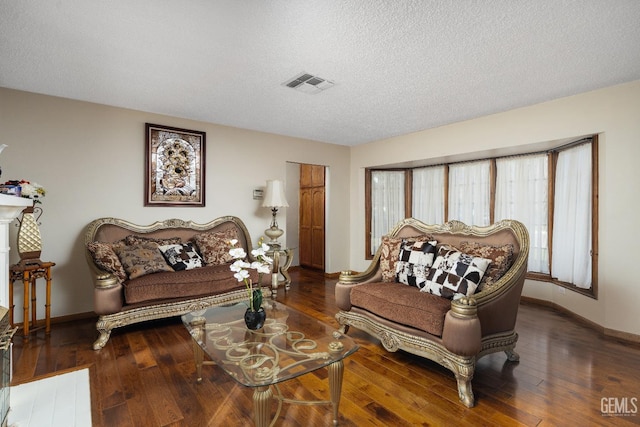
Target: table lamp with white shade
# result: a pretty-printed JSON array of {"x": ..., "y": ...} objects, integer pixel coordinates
[{"x": 274, "y": 198}]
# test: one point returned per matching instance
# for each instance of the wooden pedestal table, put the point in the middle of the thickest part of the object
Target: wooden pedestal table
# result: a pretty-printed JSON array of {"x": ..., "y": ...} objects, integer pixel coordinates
[{"x": 29, "y": 274}]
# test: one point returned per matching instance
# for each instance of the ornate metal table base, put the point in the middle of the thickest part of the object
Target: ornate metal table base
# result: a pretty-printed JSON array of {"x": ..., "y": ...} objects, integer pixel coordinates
[
  {"x": 263, "y": 398},
  {"x": 275, "y": 354}
]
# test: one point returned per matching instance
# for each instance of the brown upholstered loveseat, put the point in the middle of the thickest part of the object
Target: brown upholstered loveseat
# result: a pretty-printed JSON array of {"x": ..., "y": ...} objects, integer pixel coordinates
[
  {"x": 140, "y": 288},
  {"x": 453, "y": 331}
]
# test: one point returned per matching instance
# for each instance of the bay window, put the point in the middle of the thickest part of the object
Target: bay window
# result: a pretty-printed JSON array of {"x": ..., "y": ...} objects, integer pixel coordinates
[{"x": 553, "y": 193}]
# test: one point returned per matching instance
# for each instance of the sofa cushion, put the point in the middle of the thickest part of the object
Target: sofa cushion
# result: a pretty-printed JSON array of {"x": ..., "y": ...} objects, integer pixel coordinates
[
  {"x": 402, "y": 304},
  {"x": 455, "y": 274},
  {"x": 390, "y": 252},
  {"x": 214, "y": 246},
  {"x": 208, "y": 280},
  {"x": 105, "y": 258},
  {"x": 414, "y": 262},
  {"x": 142, "y": 259},
  {"x": 501, "y": 257},
  {"x": 181, "y": 256},
  {"x": 134, "y": 239}
]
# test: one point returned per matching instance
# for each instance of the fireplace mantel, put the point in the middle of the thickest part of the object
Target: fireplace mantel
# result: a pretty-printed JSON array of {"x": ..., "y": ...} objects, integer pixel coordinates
[{"x": 10, "y": 208}]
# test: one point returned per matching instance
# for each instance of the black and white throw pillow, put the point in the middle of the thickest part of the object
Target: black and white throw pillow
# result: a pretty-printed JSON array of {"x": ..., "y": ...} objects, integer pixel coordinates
[
  {"x": 181, "y": 256},
  {"x": 414, "y": 261},
  {"x": 455, "y": 274}
]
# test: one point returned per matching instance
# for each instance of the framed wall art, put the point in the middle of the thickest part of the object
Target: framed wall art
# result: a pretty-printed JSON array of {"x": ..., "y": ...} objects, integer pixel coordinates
[{"x": 175, "y": 166}]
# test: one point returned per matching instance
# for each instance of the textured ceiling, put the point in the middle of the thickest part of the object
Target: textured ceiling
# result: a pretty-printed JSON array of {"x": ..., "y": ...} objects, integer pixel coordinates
[{"x": 398, "y": 66}]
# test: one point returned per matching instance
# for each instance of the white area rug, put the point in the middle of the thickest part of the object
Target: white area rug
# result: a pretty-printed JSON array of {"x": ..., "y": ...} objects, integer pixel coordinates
[{"x": 60, "y": 401}]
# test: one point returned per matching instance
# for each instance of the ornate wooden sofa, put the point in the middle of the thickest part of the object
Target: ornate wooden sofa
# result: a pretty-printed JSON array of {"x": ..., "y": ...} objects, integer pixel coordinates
[
  {"x": 452, "y": 332},
  {"x": 121, "y": 299}
]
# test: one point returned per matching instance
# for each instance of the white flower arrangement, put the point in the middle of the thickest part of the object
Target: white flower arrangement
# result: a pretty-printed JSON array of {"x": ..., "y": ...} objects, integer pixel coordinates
[
  {"x": 32, "y": 190},
  {"x": 262, "y": 265}
]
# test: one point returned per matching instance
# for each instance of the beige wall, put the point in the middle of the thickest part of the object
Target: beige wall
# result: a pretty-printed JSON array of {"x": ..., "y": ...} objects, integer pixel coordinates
[
  {"x": 90, "y": 159},
  {"x": 612, "y": 112}
]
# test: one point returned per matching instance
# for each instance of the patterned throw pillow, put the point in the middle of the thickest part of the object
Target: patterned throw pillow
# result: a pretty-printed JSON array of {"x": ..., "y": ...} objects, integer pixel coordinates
[
  {"x": 104, "y": 257},
  {"x": 455, "y": 274},
  {"x": 414, "y": 262},
  {"x": 134, "y": 239},
  {"x": 142, "y": 259},
  {"x": 181, "y": 257},
  {"x": 214, "y": 246},
  {"x": 501, "y": 259},
  {"x": 390, "y": 253}
]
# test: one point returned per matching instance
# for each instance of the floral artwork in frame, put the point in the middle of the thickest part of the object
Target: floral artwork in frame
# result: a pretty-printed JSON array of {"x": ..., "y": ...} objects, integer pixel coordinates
[{"x": 175, "y": 166}]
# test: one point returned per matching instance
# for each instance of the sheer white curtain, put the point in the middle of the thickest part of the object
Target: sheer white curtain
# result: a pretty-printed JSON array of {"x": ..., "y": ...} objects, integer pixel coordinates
[
  {"x": 572, "y": 217},
  {"x": 428, "y": 194},
  {"x": 469, "y": 192},
  {"x": 522, "y": 194},
  {"x": 387, "y": 203}
]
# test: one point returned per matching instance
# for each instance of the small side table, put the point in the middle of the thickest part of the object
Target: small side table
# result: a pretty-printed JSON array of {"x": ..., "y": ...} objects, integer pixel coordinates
[
  {"x": 29, "y": 273},
  {"x": 280, "y": 267}
]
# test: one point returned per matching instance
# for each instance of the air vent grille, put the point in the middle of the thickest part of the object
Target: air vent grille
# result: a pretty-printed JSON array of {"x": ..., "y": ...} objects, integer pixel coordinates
[
  {"x": 308, "y": 83},
  {"x": 297, "y": 81}
]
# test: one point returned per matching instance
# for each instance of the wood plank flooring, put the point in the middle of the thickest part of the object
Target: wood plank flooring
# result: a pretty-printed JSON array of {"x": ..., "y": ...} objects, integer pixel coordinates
[{"x": 145, "y": 376}]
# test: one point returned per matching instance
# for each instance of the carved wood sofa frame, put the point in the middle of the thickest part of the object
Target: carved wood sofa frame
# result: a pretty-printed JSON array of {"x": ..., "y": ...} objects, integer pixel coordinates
[
  {"x": 474, "y": 326},
  {"x": 106, "y": 285}
]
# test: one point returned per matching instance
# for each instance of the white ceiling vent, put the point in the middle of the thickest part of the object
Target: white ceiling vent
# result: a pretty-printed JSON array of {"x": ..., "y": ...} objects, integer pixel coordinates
[{"x": 307, "y": 83}]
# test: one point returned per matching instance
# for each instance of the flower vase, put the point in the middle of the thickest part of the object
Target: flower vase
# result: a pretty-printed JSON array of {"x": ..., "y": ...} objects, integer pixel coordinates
[
  {"x": 29, "y": 239},
  {"x": 254, "y": 319}
]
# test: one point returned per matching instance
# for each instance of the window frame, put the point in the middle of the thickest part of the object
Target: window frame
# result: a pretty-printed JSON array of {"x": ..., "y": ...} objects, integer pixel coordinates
[{"x": 552, "y": 157}]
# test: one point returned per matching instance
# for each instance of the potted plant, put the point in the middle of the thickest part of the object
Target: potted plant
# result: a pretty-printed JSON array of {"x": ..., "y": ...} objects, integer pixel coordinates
[{"x": 255, "y": 315}]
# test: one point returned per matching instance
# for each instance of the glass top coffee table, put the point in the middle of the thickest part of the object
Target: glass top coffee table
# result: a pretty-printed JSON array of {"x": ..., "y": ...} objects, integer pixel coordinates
[{"x": 289, "y": 345}]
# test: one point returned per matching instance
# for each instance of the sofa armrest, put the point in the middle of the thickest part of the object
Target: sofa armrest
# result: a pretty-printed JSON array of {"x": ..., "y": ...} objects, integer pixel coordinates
[
  {"x": 371, "y": 274},
  {"x": 462, "y": 332},
  {"x": 104, "y": 280},
  {"x": 107, "y": 292},
  {"x": 348, "y": 280},
  {"x": 108, "y": 300}
]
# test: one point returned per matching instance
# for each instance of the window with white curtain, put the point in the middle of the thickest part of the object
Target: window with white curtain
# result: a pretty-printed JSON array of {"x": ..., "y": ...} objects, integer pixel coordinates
[
  {"x": 387, "y": 203},
  {"x": 571, "y": 260},
  {"x": 558, "y": 185},
  {"x": 469, "y": 192},
  {"x": 522, "y": 194},
  {"x": 428, "y": 194}
]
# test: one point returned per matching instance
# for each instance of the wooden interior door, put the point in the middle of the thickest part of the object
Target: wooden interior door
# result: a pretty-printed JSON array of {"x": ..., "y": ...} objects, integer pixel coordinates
[{"x": 312, "y": 232}]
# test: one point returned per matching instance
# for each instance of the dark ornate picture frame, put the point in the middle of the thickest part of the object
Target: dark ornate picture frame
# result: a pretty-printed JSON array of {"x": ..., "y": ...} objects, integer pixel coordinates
[{"x": 175, "y": 169}]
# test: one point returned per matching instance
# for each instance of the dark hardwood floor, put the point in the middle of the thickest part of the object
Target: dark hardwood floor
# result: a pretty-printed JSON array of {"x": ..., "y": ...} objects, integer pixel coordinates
[{"x": 145, "y": 376}]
